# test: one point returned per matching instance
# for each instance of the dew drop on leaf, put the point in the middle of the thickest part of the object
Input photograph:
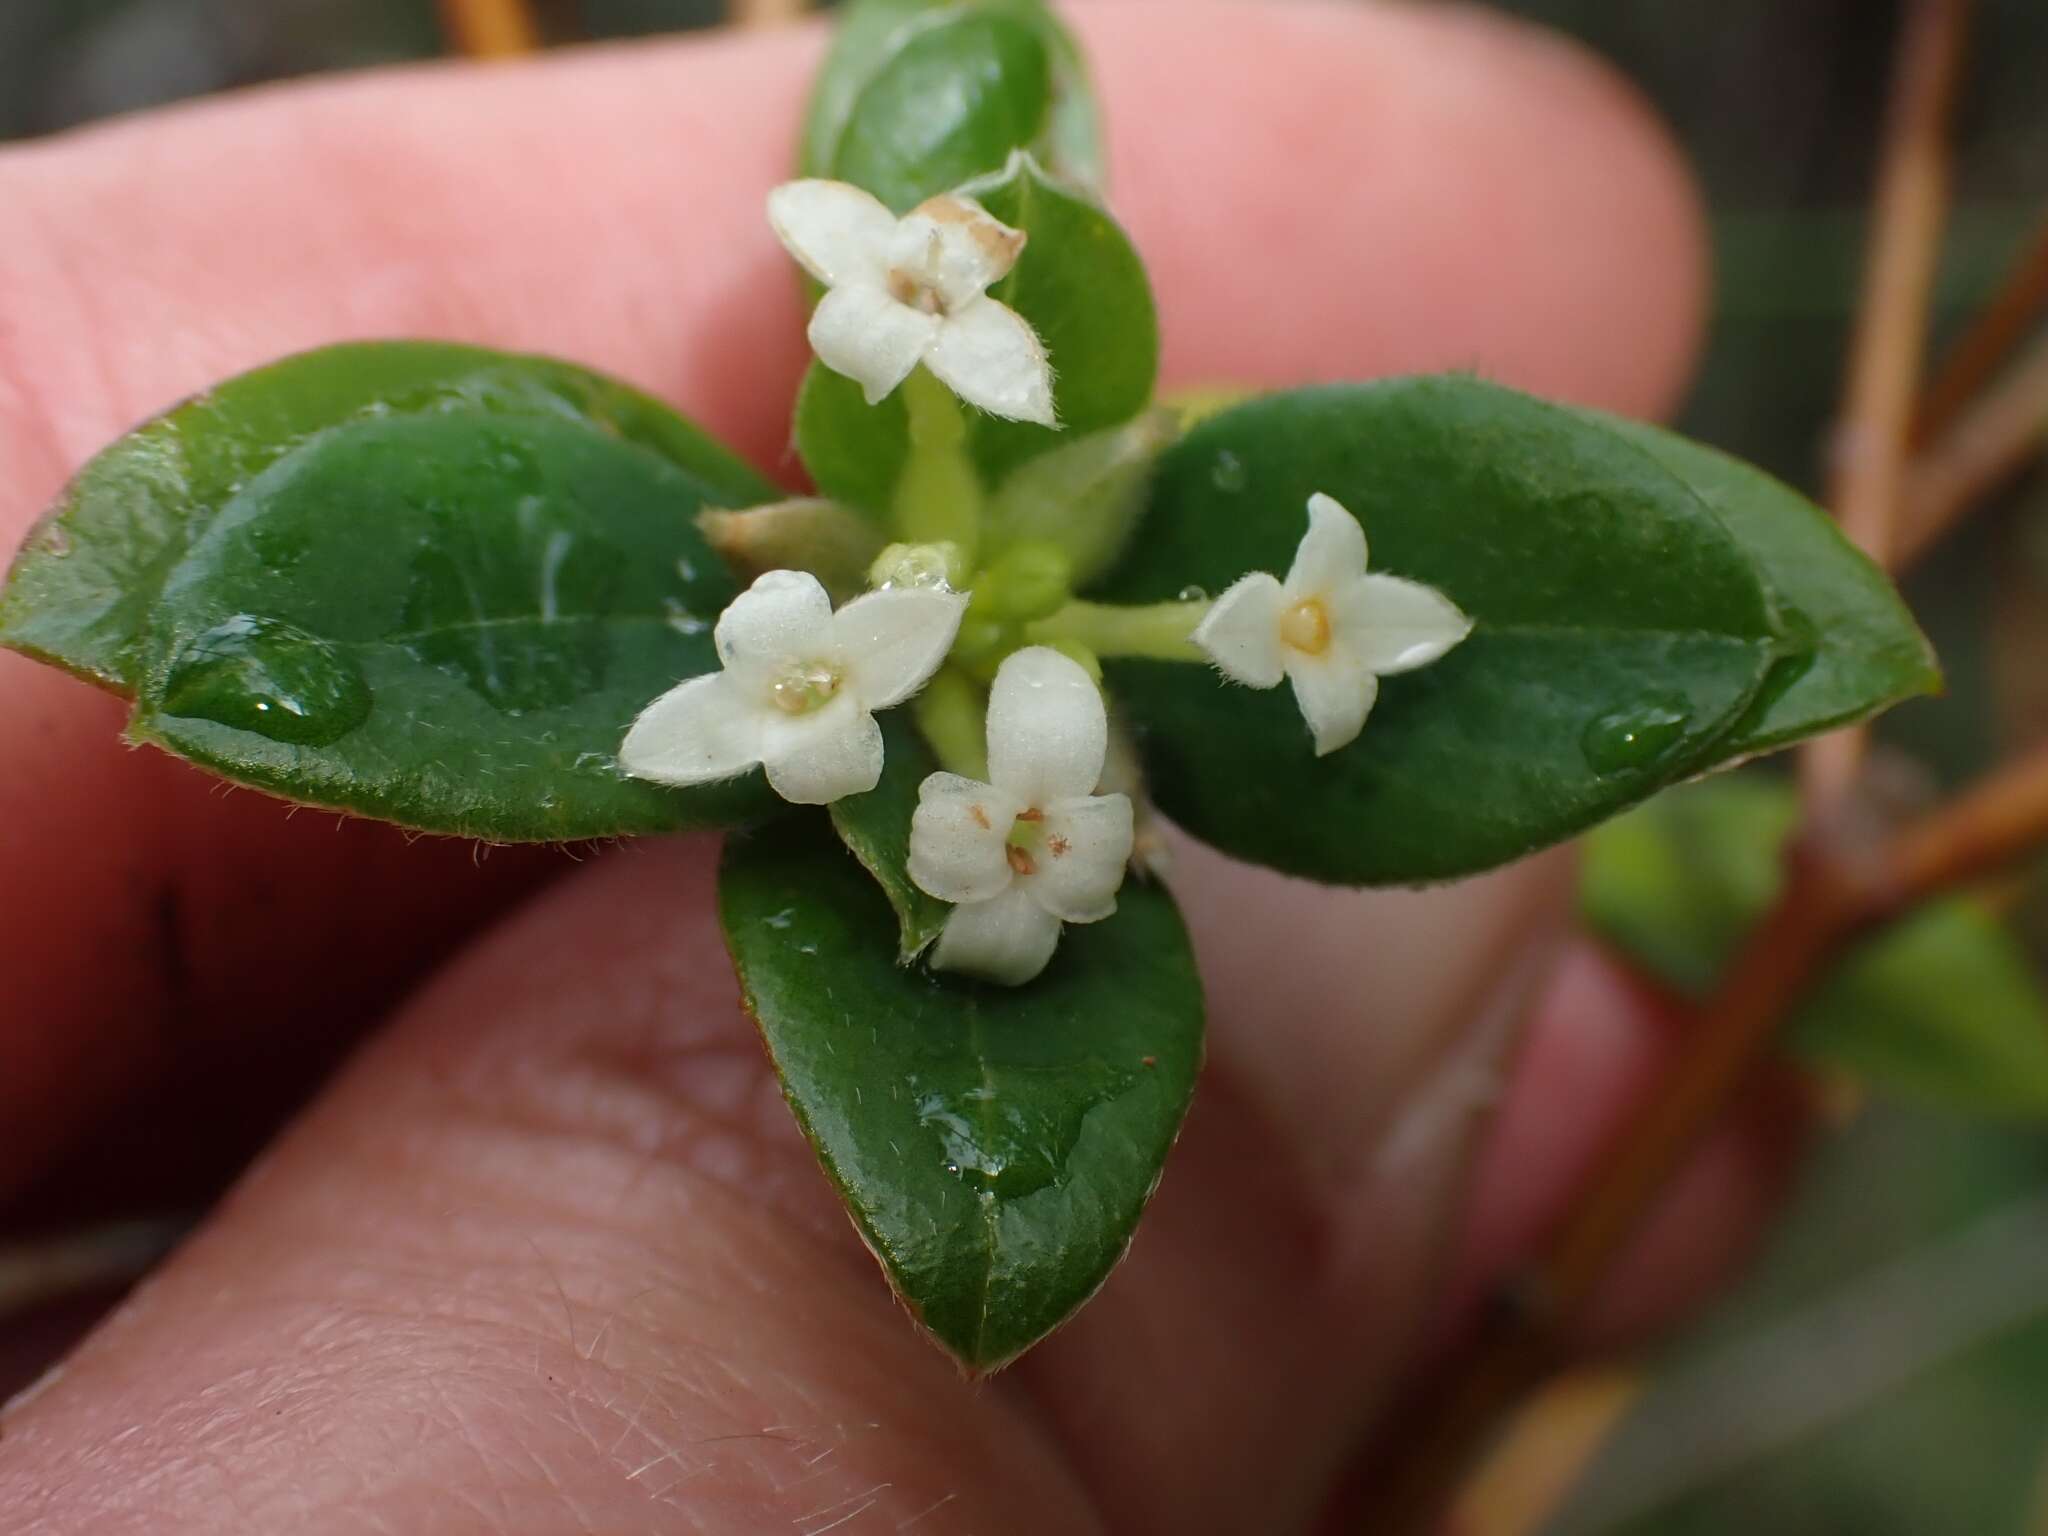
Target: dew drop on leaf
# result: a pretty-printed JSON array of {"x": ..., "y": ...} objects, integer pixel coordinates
[
  {"x": 1635, "y": 737},
  {"x": 1193, "y": 595},
  {"x": 267, "y": 676},
  {"x": 1228, "y": 473}
]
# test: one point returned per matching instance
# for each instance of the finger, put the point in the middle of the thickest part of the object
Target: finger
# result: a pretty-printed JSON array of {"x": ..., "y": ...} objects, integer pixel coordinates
[
  {"x": 553, "y": 1252},
  {"x": 145, "y": 259}
]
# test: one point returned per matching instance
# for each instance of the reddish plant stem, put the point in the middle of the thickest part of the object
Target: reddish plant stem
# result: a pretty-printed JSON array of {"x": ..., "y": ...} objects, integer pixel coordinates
[
  {"x": 1866, "y": 486},
  {"x": 1999, "y": 327}
]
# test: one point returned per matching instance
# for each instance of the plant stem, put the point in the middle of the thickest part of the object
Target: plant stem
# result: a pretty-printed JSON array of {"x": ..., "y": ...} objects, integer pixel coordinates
[
  {"x": 1832, "y": 895},
  {"x": 490, "y": 29},
  {"x": 1988, "y": 444},
  {"x": 1158, "y": 631},
  {"x": 938, "y": 497},
  {"x": 1999, "y": 327},
  {"x": 767, "y": 13},
  {"x": 1871, "y": 445},
  {"x": 950, "y": 711}
]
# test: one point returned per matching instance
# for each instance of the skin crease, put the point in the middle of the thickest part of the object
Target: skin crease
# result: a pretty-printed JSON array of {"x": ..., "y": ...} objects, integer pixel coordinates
[{"x": 549, "y": 1254}]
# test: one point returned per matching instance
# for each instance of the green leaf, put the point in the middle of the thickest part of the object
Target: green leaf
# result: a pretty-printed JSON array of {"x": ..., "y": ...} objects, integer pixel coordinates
[
  {"x": 1083, "y": 289},
  {"x": 876, "y": 828},
  {"x": 854, "y": 452},
  {"x": 1619, "y": 633},
  {"x": 1084, "y": 498},
  {"x": 994, "y": 1145},
  {"x": 1862, "y": 650},
  {"x": 425, "y": 583},
  {"x": 869, "y": 33},
  {"x": 1941, "y": 1007},
  {"x": 950, "y": 103}
]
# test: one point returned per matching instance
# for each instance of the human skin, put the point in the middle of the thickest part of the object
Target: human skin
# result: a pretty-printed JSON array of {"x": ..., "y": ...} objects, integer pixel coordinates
[{"x": 548, "y": 1254}]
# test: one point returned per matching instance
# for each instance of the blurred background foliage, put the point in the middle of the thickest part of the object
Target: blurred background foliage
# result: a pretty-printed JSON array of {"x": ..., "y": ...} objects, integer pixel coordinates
[{"x": 1884, "y": 1368}]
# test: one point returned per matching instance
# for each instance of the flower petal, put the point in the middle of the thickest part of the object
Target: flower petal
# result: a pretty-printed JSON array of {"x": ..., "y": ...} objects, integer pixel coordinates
[
  {"x": 1007, "y": 940},
  {"x": 989, "y": 356},
  {"x": 955, "y": 247},
  {"x": 891, "y": 642},
  {"x": 1392, "y": 625},
  {"x": 1335, "y": 694},
  {"x": 826, "y": 755},
  {"x": 863, "y": 333},
  {"x": 784, "y": 616},
  {"x": 699, "y": 732},
  {"x": 839, "y": 233},
  {"x": 1332, "y": 552},
  {"x": 959, "y": 835},
  {"x": 1241, "y": 631},
  {"x": 1047, "y": 729},
  {"x": 1081, "y": 857}
]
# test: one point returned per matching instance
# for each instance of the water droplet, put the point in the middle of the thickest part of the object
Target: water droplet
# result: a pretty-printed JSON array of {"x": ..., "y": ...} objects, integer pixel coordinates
[
  {"x": 595, "y": 762},
  {"x": 270, "y": 677},
  {"x": 782, "y": 919},
  {"x": 680, "y": 619},
  {"x": 1009, "y": 1141},
  {"x": 1194, "y": 594},
  {"x": 1635, "y": 737},
  {"x": 1228, "y": 473}
]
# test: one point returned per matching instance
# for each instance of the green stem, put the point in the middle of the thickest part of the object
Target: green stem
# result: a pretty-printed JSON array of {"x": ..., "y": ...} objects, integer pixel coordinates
[
  {"x": 939, "y": 496},
  {"x": 1159, "y": 631},
  {"x": 951, "y": 712}
]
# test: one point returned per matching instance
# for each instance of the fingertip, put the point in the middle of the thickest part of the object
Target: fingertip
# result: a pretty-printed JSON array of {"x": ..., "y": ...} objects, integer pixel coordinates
[{"x": 1389, "y": 188}]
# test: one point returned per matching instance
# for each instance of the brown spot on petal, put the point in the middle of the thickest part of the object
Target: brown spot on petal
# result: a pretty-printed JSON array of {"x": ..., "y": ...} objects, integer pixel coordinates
[
  {"x": 1059, "y": 846},
  {"x": 1020, "y": 861},
  {"x": 979, "y": 817},
  {"x": 1034, "y": 814}
]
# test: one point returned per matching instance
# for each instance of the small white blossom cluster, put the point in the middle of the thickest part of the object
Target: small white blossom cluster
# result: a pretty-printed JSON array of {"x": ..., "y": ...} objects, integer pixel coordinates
[{"x": 1035, "y": 847}]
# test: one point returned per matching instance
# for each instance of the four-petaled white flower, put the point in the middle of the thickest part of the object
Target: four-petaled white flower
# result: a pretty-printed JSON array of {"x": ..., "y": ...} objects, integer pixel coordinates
[
  {"x": 914, "y": 290},
  {"x": 799, "y": 690},
  {"x": 1036, "y": 847},
  {"x": 1330, "y": 628}
]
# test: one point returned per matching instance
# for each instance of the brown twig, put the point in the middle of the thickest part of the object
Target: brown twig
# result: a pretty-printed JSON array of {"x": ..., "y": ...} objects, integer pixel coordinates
[
  {"x": 1866, "y": 485},
  {"x": 1831, "y": 896},
  {"x": 1992, "y": 441},
  {"x": 1999, "y": 327},
  {"x": 767, "y": 13},
  {"x": 490, "y": 29}
]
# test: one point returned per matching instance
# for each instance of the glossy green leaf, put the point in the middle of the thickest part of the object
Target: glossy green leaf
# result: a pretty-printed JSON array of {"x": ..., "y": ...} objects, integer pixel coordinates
[
  {"x": 854, "y": 452},
  {"x": 876, "y": 828},
  {"x": 1620, "y": 631},
  {"x": 869, "y": 33},
  {"x": 420, "y": 582},
  {"x": 1942, "y": 1007},
  {"x": 1861, "y": 649},
  {"x": 1084, "y": 290},
  {"x": 994, "y": 1145},
  {"x": 949, "y": 104}
]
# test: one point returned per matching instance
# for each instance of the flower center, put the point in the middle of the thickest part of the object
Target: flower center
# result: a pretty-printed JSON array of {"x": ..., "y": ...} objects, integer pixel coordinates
[
  {"x": 914, "y": 292},
  {"x": 804, "y": 687},
  {"x": 1025, "y": 832},
  {"x": 1306, "y": 627}
]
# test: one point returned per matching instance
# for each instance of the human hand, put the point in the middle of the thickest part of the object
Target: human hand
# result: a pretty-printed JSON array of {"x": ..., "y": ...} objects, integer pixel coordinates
[{"x": 550, "y": 1253}]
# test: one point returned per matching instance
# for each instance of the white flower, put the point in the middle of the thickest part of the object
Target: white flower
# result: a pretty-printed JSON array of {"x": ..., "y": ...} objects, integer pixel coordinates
[
  {"x": 1035, "y": 848},
  {"x": 799, "y": 690},
  {"x": 1330, "y": 629},
  {"x": 914, "y": 290}
]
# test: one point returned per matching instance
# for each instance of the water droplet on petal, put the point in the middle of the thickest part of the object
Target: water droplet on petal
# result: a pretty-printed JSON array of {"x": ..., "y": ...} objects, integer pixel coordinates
[
  {"x": 1635, "y": 737},
  {"x": 267, "y": 676}
]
